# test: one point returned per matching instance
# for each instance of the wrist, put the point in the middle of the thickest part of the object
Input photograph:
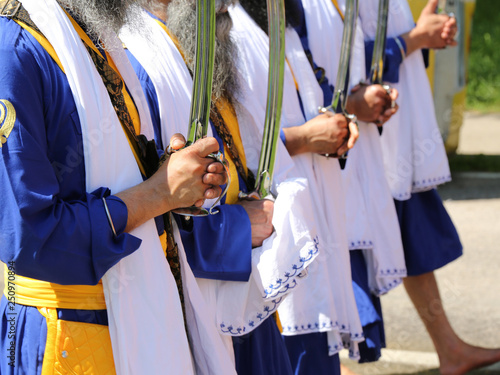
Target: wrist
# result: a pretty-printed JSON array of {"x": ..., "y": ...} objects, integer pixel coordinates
[
  {"x": 414, "y": 40},
  {"x": 350, "y": 106},
  {"x": 295, "y": 140}
]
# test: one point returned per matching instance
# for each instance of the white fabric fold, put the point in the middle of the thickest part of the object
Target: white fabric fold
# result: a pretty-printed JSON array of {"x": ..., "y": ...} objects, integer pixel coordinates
[
  {"x": 144, "y": 311},
  {"x": 414, "y": 154}
]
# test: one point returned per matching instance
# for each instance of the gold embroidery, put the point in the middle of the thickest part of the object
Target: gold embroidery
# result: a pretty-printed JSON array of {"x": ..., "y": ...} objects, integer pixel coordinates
[{"x": 7, "y": 120}]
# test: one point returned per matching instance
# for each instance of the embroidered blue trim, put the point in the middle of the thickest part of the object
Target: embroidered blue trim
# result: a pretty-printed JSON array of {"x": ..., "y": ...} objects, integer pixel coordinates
[
  {"x": 260, "y": 317},
  {"x": 362, "y": 244},
  {"x": 284, "y": 283},
  {"x": 310, "y": 327},
  {"x": 431, "y": 181},
  {"x": 389, "y": 287},
  {"x": 394, "y": 272},
  {"x": 422, "y": 184}
]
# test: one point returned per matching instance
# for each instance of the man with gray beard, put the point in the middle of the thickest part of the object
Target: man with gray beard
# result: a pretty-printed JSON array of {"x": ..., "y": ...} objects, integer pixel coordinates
[{"x": 83, "y": 193}]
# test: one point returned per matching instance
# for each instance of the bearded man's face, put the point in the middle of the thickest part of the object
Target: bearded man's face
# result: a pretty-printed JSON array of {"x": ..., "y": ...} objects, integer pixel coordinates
[
  {"x": 181, "y": 20},
  {"x": 100, "y": 17}
]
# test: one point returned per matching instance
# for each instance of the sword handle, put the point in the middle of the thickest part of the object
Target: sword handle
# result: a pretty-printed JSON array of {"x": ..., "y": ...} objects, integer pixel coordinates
[{"x": 200, "y": 211}]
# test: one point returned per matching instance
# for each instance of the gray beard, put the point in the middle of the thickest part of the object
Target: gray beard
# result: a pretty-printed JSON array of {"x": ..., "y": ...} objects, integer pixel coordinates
[
  {"x": 181, "y": 20},
  {"x": 104, "y": 18}
]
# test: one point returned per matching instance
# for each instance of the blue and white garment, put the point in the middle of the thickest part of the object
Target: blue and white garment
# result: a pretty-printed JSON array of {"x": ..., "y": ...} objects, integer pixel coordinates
[
  {"x": 414, "y": 154},
  {"x": 237, "y": 308},
  {"x": 312, "y": 307},
  {"x": 371, "y": 217}
]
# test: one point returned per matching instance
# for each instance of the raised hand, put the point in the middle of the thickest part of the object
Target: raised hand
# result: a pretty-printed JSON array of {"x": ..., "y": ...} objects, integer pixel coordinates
[{"x": 432, "y": 30}]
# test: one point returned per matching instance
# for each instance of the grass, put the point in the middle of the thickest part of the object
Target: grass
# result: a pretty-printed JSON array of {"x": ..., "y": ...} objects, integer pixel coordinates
[
  {"x": 474, "y": 163},
  {"x": 483, "y": 90}
]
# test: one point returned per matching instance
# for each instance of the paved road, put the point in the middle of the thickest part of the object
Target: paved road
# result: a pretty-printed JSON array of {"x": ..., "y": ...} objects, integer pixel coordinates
[{"x": 470, "y": 286}]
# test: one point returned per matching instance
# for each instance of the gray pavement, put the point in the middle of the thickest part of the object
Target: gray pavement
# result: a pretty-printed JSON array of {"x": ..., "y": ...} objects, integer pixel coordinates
[{"x": 470, "y": 286}]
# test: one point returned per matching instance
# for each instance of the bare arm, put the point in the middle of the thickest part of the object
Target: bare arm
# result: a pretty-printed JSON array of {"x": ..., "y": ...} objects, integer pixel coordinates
[{"x": 186, "y": 178}]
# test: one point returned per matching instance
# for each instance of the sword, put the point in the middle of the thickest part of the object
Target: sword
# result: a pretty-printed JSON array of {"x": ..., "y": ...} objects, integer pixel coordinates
[
  {"x": 341, "y": 86},
  {"x": 378, "y": 56},
  {"x": 276, "y": 76},
  {"x": 202, "y": 93}
]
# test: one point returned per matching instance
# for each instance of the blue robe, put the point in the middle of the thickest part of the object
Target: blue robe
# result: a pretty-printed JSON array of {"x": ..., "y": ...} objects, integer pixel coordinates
[
  {"x": 219, "y": 247},
  {"x": 50, "y": 226}
]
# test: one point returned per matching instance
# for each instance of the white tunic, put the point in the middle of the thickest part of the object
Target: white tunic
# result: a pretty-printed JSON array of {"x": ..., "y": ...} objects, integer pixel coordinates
[
  {"x": 414, "y": 154},
  {"x": 372, "y": 223}
]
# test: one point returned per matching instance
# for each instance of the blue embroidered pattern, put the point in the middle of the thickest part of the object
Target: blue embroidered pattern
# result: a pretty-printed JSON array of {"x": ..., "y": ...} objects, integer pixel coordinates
[
  {"x": 362, "y": 244},
  {"x": 431, "y": 181},
  {"x": 423, "y": 184},
  {"x": 310, "y": 327},
  {"x": 296, "y": 268},
  {"x": 260, "y": 317}
]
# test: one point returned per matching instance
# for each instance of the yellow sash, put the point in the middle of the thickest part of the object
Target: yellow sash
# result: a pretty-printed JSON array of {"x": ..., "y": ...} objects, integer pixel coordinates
[
  {"x": 336, "y": 5},
  {"x": 228, "y": 114}
]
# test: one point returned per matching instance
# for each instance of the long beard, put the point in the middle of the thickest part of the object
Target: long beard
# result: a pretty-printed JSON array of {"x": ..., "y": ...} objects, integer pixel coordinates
[
  {"x": 181, "y": 20},
  {"x": 104, "y": 18}
]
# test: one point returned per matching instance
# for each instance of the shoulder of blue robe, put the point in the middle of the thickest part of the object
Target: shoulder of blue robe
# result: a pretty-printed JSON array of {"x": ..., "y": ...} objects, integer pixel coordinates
[
  {"x": 219, "y": 247},
  {"x": 50, "y": 226},
  {"x": 392, "y": 61},
  {"x": 301, "y": 29}
]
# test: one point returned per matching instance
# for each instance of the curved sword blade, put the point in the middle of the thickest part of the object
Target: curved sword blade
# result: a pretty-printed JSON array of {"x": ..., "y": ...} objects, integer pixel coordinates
[
  {"x": 341, "y": 86},
  {"x": 203, "y": 71},
  {"x": 378, "y": 57},
  {"x": 276, "y": 76}
]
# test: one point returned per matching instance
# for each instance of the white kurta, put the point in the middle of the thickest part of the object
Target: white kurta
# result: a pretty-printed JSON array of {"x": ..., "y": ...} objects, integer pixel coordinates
[
  {"x": 372, "y": 223},
  {"x": 414, "y": 154}
]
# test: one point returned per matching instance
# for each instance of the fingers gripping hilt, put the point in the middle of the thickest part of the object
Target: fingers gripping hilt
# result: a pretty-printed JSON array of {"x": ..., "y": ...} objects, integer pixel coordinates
[{"x": 200, "y": 211}]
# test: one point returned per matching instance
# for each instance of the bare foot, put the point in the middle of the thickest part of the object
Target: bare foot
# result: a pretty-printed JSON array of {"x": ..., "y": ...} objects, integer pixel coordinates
[
  {"x": 344, "y": 370},
  {"x": 467, "y": 358}
]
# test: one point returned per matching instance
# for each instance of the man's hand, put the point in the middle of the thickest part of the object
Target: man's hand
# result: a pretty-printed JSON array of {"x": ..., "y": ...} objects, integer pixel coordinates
[
  {"x": 372, "y": 103},
  {"x": 327, "y": 133},
  {"x": 188, "y": 177},
  {"x": 432, "y": 30},
  {"x": 260, "y": 213}
]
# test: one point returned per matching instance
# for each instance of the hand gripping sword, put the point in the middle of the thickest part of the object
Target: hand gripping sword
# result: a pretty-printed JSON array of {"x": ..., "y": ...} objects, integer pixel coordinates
[
  {"x": 339, "y": 100},
  {"x": 202, "y": 92},
  {"x": 276, "y": 76}
]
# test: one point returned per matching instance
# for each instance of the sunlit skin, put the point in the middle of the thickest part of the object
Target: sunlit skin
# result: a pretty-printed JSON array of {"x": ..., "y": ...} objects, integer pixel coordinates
[{"x": 187, "y": 177}]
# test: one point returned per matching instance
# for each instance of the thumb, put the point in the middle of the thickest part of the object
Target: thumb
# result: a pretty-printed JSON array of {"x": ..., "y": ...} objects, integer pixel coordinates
[
  {"x": 430, "y": 8},
  {"x": 205, "y": 146},
  {"x": 177, "y": 141}
]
